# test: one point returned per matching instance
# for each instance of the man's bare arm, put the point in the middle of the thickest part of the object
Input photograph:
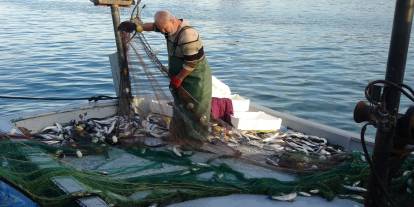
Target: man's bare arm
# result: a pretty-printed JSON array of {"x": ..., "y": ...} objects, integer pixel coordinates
[{"x": 148, "y": 26}]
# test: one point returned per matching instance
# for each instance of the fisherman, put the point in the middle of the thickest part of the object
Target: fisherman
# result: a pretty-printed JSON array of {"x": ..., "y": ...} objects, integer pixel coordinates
[{"x": 190, "y": 75}]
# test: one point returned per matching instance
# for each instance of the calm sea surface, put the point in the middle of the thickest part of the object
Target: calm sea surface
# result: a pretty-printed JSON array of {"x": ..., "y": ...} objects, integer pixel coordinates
[{"x": 312, "y": 58}]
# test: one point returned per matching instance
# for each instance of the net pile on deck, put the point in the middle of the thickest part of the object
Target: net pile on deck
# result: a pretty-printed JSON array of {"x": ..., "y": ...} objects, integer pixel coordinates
[{"x": 31, "y": 167}]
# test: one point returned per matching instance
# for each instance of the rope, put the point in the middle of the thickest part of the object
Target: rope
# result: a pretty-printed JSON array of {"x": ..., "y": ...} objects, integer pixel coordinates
[{"x": 92, "y": 98}]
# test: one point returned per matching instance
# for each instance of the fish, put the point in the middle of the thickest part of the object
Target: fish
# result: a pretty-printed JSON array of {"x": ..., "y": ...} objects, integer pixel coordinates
[
  {"x": 111, "y": 128},
  {"x": 324, "y": 152},
  {"x": 79, "y": 153},
  {"x": 363, "y": 158},
  {"x": 356, "y": 183},
  {"x": 272, "y": 140},
  {"x": 272, "y": 161},
  {"x": 48, "y": 136},
  {"x": 202, "y": 164},
  {"x": 273, "y": 147},
  {"x": 59, "y": 127},
  {"x": 304, "y": 194},
  {"x": 357, "y": 197},
  {"x": 355, "y": 188},
  {"x": 114, "y": 139},
  {"x": 153, "y": 142},
  {"x": 51, "y": 142},
  {"x": 61, "y": 137},
  {"x": 185, "y": 172},
  {"x": 176, "y": 151},
  {"x": 314, "y": 191},
  {"x": 405, "y": 173},
  {"x": 50, "y": 128},
  {"x": 287, "y": 197}
]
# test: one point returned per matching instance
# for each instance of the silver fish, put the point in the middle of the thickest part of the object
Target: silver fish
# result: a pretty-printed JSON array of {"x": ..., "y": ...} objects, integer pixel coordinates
[
  {"x": 59, "y": 126},
  {"x": 314, "y": 191},
  {"x": 355, "y": 188},
  {"x": 304, "y": 194},
  {"x": 176, "y": 151},
  {"x": 79, "y": 153},
  {"x": 111, "y": 128},
  {"x": 287, "y": 197},
  {"x": 52, "y": 128}
]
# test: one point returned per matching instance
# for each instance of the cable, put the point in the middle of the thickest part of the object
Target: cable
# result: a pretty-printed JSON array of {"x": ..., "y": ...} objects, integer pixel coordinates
[
  {"x": 92, "y": 98},
  {"x": 135, "y": 8},
  {"x": 371, "y": 165},
  {"x": 385, "y": 82}
]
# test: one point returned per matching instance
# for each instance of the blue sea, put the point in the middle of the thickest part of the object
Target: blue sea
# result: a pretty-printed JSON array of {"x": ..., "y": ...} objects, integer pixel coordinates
[{"x": 311, "y": 59}]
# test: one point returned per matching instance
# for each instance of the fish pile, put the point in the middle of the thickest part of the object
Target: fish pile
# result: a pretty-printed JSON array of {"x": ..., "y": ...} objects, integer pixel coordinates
[
  {"x": 102, "y": 131},
  {"x": 290, "y": 149},
  {"x": 287, "y": 148}
]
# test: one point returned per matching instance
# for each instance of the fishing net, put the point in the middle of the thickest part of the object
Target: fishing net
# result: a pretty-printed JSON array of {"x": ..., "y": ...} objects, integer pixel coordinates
[{"x": 32, "y": 166}]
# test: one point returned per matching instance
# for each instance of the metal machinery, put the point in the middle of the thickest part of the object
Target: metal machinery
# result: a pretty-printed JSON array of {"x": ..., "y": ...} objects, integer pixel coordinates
[{"x": 394, "y": 131}]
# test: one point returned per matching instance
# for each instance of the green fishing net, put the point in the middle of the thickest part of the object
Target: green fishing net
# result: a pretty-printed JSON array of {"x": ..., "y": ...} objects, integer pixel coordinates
[{"x": 32, "y": 166}]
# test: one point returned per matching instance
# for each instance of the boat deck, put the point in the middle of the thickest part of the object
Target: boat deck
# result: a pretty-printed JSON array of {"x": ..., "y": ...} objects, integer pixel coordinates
[{"x": 117, "y": 157}]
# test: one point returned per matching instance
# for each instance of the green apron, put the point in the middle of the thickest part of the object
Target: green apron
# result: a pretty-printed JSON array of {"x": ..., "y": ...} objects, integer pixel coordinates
[{"x": 191, "y": 113}]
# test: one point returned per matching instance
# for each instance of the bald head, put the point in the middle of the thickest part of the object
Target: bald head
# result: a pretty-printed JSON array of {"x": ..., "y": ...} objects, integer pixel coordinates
[
  {"x": 165, "y": 21},
  {"x": 162, "y": 17}
]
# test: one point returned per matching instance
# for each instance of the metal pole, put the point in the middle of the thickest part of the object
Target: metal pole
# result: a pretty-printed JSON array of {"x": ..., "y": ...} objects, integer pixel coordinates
[
  {"x": 125, "y": 84},
  {"x": 397, "y": 57}
]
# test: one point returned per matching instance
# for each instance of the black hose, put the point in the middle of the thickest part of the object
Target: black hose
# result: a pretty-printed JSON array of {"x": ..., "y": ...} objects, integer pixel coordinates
[
  {"x": 389, "y": 83},
  {"x": 371, "y": 166},
  {"x": 93, "y": 98}
]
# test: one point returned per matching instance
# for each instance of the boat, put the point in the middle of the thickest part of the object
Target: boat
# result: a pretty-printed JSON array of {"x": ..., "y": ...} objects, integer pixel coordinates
[
  {"x": 349, "y": 141},
  {"x": 106, "y": 163}
]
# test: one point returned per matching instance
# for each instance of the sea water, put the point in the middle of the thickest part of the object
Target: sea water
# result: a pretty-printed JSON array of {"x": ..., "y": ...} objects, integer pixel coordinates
[{"x": 312, "y": 59}]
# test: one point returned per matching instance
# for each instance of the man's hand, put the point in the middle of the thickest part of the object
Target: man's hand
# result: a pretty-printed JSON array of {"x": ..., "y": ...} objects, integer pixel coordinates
[
  {"x": 129, "y": 26},
  {"x": 175, "y": 82}
]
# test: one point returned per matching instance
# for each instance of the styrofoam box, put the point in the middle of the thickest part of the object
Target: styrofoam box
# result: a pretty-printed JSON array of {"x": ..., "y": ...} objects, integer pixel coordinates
[
  {"x": 161, "y": 107},
  {"x": 240, "y": 103},
  {"x": 219, "y": 89},
  {"x": 255, "y": 121}
]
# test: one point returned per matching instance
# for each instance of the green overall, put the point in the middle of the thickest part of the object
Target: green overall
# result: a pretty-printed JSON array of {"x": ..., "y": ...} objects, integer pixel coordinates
[{"x": 191, "y": 110}]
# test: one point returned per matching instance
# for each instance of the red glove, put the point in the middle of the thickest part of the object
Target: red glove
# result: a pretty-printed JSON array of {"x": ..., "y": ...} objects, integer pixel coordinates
[{"x": 175, "y": 82}]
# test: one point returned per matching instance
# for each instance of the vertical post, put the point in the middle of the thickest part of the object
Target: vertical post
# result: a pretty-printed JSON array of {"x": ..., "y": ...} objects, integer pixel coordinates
[
  {"x": 125, "y": 84},
  {"x": 384, "y": 142},
  {"x": 116, "y": 21}
]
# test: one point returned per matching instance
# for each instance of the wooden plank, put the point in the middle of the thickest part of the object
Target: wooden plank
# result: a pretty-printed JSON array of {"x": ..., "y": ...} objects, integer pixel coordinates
[{"x": 124, "y": 3}]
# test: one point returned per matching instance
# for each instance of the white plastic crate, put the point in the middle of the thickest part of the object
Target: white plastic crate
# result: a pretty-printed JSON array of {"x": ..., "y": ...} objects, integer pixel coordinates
[
  {"x": 255, "y": 121},
  {"x": 161, "y": 107},
  {"x": 240, "y": 104}
]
